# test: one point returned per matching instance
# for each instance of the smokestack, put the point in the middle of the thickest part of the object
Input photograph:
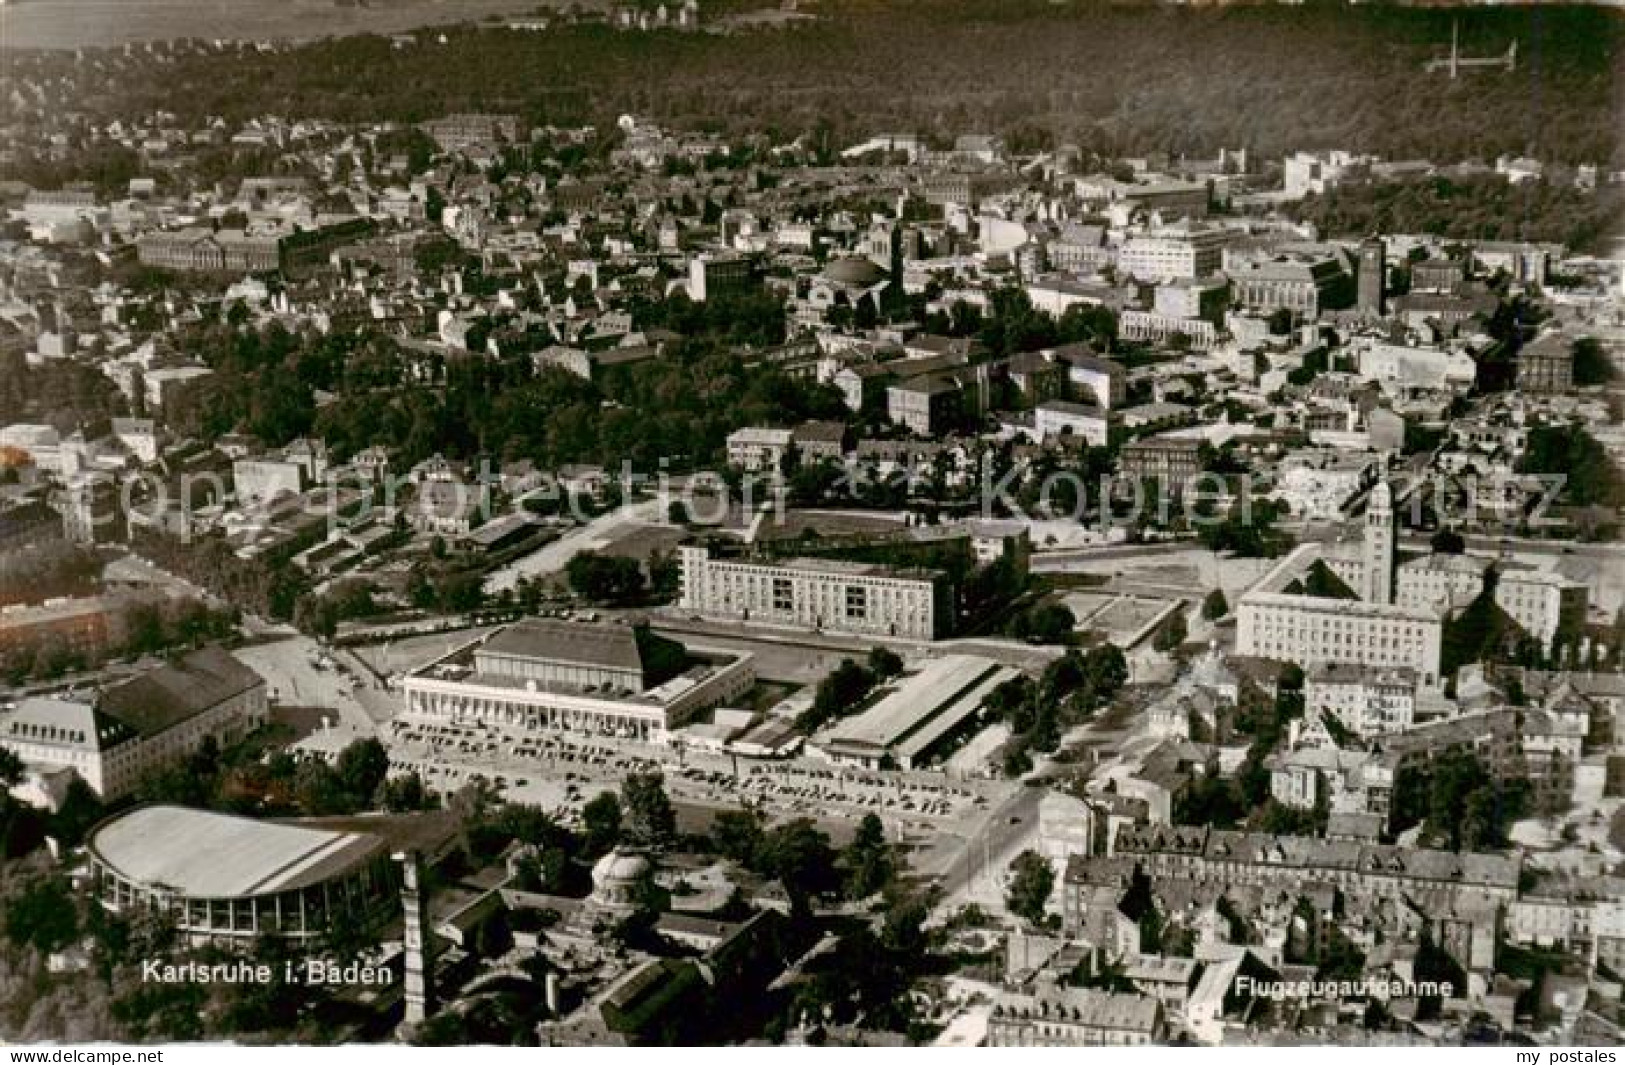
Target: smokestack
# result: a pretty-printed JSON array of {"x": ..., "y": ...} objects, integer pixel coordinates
[
  {"x": 419, "y": 959},
  {"x": 552, "y": 991}
]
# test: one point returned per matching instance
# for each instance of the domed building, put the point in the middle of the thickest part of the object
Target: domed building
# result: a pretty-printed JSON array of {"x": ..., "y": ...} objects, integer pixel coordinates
[
  {"x": 854, "y": 273},
  {"x": 621, "y": 881},
  {"x": 847, "y": 283}
]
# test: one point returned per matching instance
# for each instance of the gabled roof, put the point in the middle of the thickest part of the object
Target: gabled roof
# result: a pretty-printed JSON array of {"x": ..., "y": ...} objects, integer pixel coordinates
[{"x": 158, "y": 700}]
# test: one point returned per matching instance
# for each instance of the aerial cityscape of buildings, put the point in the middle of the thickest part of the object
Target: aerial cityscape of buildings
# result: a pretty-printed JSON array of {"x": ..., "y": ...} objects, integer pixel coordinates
[{"x": 485, "y": 580}]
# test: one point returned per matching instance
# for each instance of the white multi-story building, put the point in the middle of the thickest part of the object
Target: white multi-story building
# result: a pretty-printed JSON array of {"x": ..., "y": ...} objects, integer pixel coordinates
[
  {"x": 1306, "y": 629},
  {"x": 1173, "y": 253},
  {"x": 1545, "y": 605},
  {"x": 1201, "y": 335},
  {"x": 1443, "y": 582},
  {"x": 758, "y": 449},
  {"x": 1320, "y": 483},
  {"x": 1275, "y": 619},
  {"x": 139, "y": 726},
  {"x": 1306, "y": 172},
  {"x": 140, "y": 436},
  {"x": 1100, "y": 381},
  {"x": 1055, "y": 417},
  {"x": 828, "y": 595},
  {"x": 1398, "y": 368},
  {"x": 1367, "y": 701}
]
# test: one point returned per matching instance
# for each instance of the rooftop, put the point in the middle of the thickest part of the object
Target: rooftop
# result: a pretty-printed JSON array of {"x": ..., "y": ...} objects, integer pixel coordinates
[
  {"x": 168, "y": 695},
  {"x": 604, "y": 646},
  {"x": 201, "y": 854},
  {"x": 931, "y": 701}
]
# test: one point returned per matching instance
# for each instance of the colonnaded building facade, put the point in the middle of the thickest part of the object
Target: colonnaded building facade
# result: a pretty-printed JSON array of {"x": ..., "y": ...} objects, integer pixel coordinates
[
  {"x": 591, "y": 679},
  {"x": 828, "y": 595},
  {"x": 227, "y": 878}
]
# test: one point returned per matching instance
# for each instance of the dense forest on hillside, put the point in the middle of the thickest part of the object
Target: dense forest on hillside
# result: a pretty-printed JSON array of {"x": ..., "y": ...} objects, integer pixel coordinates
[
  {"x": 1114, "y": 78},
  {"x": 1481, "y": 207}
]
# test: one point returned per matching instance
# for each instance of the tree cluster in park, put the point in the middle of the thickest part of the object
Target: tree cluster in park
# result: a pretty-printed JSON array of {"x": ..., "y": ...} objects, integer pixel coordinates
[
  {"x": 1031, "y": 883},
  {"x": 679, "y": 407},
  {"x": 1244, "y": 797},
  {"x": 1069, "y": 692},
  {"x": 843, "y": 690},
  {"x": 149, "y": 628},
  {"x": 246, "y": 779},
  {"x": 1247, "y": 529},
  {"x": 1591, "y": 477},
  {"x": 1474, "y": 207},
  {"x": 1046, "y": 622},
  {"x": 1460, "y": 804}
]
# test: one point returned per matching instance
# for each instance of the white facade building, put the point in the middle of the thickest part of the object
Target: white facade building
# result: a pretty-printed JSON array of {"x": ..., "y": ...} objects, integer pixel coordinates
[
  {"x": 141, "y": 725},
  {"x": 599, "y": 680},
  {"x": 828, "y": 595},
  {"x": 1055, "y": 417}
]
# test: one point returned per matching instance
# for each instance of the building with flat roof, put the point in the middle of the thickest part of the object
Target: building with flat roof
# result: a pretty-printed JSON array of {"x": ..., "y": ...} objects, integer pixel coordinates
[
  {"x": 717, "y": 275},
  {"x": 1445, "y": 582},
  {"x": 828, "y": 595},
  {"x": 1173, "y": 253},
  {"x": 1548, "y": 606},
  {"x": 1095, "y": 379},
  {"x": 1308, "y": 629},
  {"x": 224, "y": 878},
  {"x": 602, "y": 680},
  {"x": 925, "y": 709},
  {"x": 1171, "y": 461}
]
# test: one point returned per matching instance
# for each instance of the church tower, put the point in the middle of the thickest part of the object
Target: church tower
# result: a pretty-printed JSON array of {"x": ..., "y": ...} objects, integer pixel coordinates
[{"x": 1377, "y": 575}]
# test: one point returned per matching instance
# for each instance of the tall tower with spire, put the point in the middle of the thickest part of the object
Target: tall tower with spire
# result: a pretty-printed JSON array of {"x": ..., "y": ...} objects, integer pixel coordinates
[{"x": 1377, "y": 576}]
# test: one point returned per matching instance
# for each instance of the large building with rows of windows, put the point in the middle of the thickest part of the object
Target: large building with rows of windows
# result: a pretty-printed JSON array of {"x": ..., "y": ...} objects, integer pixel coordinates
[
  {"x": 827, "y": 595},
  {"x": 1278, "y": 619}
]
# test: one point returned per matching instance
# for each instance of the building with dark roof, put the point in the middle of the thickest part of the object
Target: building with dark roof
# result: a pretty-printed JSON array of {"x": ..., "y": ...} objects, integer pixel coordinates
[
  {"x": 140, "y": 726},
  {"x": 628, "y": 658},
  {"x": 1362, "y": 870},
  {"x": 1054, "y": 1015},
  {"x": 924, "y": 405},
  {"x": 1305, "y": 285},
  {"x": 1546, "y": 364}
]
